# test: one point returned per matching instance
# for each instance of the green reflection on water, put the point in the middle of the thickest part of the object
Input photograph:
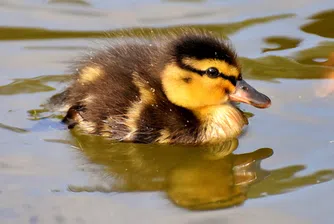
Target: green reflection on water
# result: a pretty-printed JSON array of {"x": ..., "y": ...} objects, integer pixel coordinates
[
  {"x": 285, "y": 180},
  {"x": 13, "y": 129},
  {"x": 22, "y": 33},
  {"x": 276, "y": 67},
  {"x": 283, "y": 42},
  {"x": 77, "y": 2},
  {"x": 322, "y": 24},
  {"x": 315, "y": 55},
  {"x": 32, "y": 85}
]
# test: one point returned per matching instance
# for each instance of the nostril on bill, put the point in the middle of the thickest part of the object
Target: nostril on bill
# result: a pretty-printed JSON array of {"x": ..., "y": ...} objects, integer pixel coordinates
[{"x": 244, "y": 88}]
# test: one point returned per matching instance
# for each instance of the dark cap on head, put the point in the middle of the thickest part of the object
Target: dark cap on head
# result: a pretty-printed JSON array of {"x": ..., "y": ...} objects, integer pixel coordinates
[{"x": 203, "y": 46}]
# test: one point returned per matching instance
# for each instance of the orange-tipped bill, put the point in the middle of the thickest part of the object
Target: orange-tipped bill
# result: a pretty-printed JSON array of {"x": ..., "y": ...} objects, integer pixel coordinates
[{"x": 245, "y": 93}]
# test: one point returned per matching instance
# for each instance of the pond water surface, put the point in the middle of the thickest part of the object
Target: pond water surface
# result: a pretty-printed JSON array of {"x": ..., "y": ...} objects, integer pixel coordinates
[{"x": 280, "y": 171}]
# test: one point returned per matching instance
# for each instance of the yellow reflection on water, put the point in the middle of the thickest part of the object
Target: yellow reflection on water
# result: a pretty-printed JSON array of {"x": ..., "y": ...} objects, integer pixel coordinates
[{"x": 196, "y": 178}]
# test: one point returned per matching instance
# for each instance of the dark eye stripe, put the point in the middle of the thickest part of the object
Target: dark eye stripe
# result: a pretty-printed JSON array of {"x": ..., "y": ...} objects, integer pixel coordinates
[{"x": 232, "y": 79}]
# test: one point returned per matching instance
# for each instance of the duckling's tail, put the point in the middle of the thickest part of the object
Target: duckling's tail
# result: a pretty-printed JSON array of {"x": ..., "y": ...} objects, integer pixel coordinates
[{"x": 58, "y": 102}]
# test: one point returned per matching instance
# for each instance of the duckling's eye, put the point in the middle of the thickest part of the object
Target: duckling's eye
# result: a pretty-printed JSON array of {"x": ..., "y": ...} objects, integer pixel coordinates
[{"x": 212, "y": 72}]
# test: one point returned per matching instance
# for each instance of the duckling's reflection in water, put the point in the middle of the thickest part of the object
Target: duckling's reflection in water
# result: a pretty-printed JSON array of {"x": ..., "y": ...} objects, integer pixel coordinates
[
  {"x": 205, "y": 177},
  {"x": 211, "y": 183}
]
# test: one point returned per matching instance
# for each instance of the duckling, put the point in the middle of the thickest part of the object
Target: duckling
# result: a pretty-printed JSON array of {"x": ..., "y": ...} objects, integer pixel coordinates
[{"x": 175, "y": 89}]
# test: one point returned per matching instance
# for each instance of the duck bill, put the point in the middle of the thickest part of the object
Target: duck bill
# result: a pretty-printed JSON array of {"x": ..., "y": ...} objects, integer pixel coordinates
[{"x": 245, "y": 93}]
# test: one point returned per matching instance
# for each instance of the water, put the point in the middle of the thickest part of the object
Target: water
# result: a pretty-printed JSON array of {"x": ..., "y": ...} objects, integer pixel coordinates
[{"x": 280, "y": 172}]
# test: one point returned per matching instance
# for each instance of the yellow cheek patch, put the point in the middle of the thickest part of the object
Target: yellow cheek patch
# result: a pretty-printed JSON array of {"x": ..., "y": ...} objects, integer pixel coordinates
[
  {"x": 198, "y": 92},
  {"x": 89, "y": 74},
  {"x": 204, "y": 64}
]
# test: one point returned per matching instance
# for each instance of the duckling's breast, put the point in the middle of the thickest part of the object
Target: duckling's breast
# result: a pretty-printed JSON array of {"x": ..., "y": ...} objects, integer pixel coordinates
[{"x": 219, "y": 123}]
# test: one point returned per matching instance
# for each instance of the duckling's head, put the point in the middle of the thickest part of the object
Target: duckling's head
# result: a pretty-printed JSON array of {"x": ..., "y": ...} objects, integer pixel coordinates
[{"x": 202, "y": 70}]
